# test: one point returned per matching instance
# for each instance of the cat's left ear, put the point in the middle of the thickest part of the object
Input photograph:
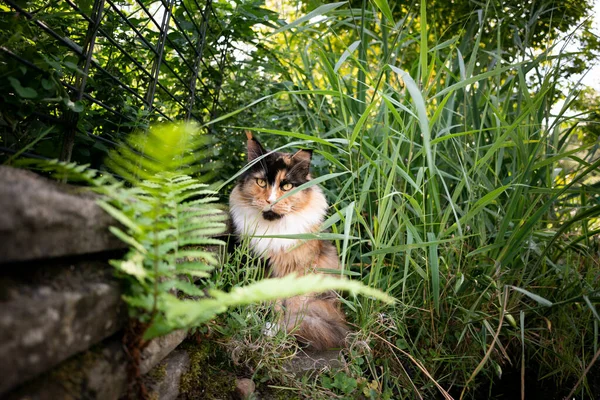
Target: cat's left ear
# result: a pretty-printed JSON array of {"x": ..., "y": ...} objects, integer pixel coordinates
[
  {"x": 255, "y": 149},
  {"x": 302, "y": 156}
]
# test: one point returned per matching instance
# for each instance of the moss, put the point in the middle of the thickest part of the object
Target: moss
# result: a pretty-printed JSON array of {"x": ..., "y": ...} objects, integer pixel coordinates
[
  {"x": 72, "y": 374},
  {"x": 153, "y": 379},
  {"x": 206, "y": 378},
  {"x": 158, "y": 372}
]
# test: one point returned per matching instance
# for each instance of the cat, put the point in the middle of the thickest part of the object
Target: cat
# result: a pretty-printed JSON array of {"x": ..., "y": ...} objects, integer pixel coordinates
[{"x": 315, "y": 320}]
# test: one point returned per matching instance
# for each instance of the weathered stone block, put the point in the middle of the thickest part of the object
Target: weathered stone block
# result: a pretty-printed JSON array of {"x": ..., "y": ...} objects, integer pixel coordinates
[
  {"x": 162, "y": 381},
  {"x": 48, "y": 314},
  {"x": 41, "y": 219},
  {"x": 99, "y": 373}
]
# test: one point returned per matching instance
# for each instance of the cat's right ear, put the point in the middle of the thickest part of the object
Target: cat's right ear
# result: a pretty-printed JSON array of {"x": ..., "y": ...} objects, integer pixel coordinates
[{"x": 255, "y": 149}]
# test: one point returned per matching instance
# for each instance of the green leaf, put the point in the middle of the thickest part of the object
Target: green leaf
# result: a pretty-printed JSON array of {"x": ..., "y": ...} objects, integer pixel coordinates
[
  {"x": 347, "y": 236},
  {"x": 539, "y": 299},
  {"x": 591, "y": 307},
  {"x": 120, "y": 216},
  {"x": 315, "y": 13},
  {"x": 127, "y": 239},
  {"x": 132, "y": 265},
  {"x": 419, "y": 102},
  {"x": 188, "y": 312},
  {"x": 86, "y": 6},
  {"x": 184, "y": 286},
  {"x": 384, "y": 7},
  {"x": 435, "y": 270},
  {"x": 25, "y": 92},
  {"x": 46, "y": 84},
  {"x": 347, "y": 53},
  {"x": 76, "y": 106},
  {"x": 198, "y": 266}
]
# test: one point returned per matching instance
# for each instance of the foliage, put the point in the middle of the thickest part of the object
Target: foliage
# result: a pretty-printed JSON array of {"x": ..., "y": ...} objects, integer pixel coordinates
[
  {"x": 476, "y": 206},
  {"x": 127, "y": 85},
  {"x": 588, "y": 103},
  {"x": 168, "y": 219},
  {"x": 519, "y": 25}
]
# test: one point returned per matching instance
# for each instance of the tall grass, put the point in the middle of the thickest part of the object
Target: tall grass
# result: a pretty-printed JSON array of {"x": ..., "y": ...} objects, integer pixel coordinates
[{"x": 475, "y": 205}]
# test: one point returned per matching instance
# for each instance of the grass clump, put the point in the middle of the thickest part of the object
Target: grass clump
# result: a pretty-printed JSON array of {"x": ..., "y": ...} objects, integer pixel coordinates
[{"x": 475, "y": 200}]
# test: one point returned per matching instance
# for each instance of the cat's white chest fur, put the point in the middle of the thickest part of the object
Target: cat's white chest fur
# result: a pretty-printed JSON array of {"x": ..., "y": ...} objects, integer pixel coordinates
[{"x": 248, "y": 221}]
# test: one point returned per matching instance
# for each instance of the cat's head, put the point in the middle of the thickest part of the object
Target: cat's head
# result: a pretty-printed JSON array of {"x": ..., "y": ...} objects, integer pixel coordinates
[{"x": 272, "y": 177}]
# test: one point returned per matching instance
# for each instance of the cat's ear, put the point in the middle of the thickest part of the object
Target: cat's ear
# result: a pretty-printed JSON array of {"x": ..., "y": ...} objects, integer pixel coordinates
[
  {"x": 255, "y": 149},
  {"x": 302, "y": 156}
]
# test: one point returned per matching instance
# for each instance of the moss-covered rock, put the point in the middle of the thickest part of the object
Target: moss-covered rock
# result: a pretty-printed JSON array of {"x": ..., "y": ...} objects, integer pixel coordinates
[
  {"x": 73, "y": 373},
  {"x": 159, "y": 372},
  {"x": 207, "y": 377}
]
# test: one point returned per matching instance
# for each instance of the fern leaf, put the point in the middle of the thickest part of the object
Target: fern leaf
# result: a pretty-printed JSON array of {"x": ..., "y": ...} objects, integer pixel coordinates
[
  {"x": 184, "y": 286},
  {"x": 193, "y": 193},
  {"x": 200, "y": 241},
  {"x": 133, "y": 266},
  {"x": 198, "y": 254},
  {"x": 180, "y": 179},
  {"x": 189, "y": 313},
  {"x": 119, "y": 216},
  {"x": 198, "y": 266},
  {"x": 127, "y": 239},
  {"x": 195, "y": 272},
  {"x": 292, "y": 285},
  {"x": 202, "y": 227},
  {"x": 189, "y": 185}
]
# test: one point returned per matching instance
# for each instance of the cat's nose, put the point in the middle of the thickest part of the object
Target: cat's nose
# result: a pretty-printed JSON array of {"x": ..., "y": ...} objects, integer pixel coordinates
[{"x": 268, "y": 201}]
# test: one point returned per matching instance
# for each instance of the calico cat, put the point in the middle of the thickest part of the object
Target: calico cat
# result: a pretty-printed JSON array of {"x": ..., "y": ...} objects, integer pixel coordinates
[{"x": 314, "y": 319}]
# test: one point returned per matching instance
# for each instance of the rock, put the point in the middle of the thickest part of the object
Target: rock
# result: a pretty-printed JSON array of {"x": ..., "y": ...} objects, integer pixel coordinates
[
  {"x": 41, "y": 219},
  {"x": 52, "y": 312},
  {"x": 99, "y": 373},
  {"x": 159, "y": 348},
  {"x": 244, "y": 388},
  {"x": 309, "y": 362},
  {"x": 164, "y": 379}
]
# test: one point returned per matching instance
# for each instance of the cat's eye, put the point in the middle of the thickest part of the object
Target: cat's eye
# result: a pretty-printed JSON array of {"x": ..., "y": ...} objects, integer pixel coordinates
[
  {"x": 261, "y": 182},
  {"x": 287, "y": 186}
]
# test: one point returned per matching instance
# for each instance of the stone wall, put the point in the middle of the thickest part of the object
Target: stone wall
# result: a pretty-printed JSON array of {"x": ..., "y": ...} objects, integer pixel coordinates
[{"x": 61, "y": 313}]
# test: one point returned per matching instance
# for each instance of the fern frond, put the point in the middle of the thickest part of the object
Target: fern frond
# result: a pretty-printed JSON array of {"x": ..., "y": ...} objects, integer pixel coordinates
[
  {"x": 189, "y": 185},
  {"x": 207, "y": 228},
  {"x": 119, "y": 216},
  {"x": 130, "y": 240},
  {"x": 188, "y": 214},
  {"x": 198, "y": 273},
  {"x": 183, "y": 286},
  {"x": 190, "y": 312},
  {"x": 200, "y": 254},
  {"x": 178, "y": 179},
  {"x": 70, "y": 171},
  {"x": 197, "y": 266}
]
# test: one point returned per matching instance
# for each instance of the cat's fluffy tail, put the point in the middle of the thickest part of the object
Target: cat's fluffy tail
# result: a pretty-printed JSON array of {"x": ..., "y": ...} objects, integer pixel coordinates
[{"x": 315, "y": 320}]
